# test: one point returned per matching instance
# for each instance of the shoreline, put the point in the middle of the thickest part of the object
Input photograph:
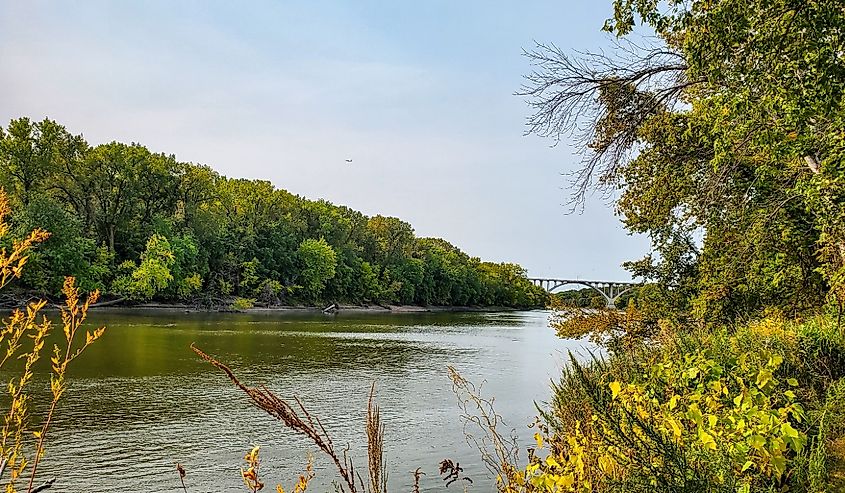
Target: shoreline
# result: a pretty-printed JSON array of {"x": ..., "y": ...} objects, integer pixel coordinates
[{"x": 304, "y": 309}]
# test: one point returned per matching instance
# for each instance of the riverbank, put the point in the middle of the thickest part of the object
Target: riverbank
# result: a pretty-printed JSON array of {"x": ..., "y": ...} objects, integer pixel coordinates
[
  {"x": 305, "y": 309},
  {"x": 20, "y": 300}
]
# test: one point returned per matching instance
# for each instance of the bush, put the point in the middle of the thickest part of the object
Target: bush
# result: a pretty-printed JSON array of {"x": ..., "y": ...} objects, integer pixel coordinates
[
  {"x": 746, "y": 409},
  {"x": 241, "y": 304}
]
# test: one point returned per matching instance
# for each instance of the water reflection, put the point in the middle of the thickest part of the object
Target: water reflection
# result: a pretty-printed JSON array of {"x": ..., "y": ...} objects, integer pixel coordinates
[{"x": 140, "y": 399}]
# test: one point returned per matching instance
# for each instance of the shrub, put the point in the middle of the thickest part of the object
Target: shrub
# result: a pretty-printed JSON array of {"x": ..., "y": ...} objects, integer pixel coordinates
[
  {"x": 241, "y": 304},
  {"x": 725, "y": 410}
]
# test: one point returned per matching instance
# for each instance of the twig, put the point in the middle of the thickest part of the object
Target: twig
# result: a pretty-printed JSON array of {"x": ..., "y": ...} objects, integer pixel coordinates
[
  {"x": 181, "y": 471},
  {"x": 44, "y": 486},
  {"x": 306, "y": 425},
  {"x": 418, "y": 473}
]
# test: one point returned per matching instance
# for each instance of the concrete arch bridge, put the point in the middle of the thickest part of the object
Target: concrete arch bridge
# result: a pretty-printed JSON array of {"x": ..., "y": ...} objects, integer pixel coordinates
[{"x": 609, "y": 290}]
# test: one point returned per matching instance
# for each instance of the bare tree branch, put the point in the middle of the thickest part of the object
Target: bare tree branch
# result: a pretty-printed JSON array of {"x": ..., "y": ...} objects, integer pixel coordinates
[{"x": 602, "y": 102}]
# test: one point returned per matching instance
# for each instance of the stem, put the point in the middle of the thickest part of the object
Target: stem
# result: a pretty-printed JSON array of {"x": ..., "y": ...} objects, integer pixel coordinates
[{"x": 39, "y": 449}]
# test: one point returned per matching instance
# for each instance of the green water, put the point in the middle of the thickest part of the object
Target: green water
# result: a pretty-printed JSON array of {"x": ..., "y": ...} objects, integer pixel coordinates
[{"x": 140, "y": 400}]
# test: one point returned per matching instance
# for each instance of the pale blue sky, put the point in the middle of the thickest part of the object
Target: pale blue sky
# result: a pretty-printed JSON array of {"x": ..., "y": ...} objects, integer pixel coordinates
[{"x": 418, "y": 94}]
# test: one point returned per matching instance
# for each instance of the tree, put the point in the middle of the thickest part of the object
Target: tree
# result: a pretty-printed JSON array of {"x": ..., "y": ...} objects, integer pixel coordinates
[
  {"x": 725, "y": 131},
  {"x": 391, "y": 239},
  {"x": 113, "y": 169},
  {"x": 65, "y": 253},
  {"x": 318, "y": 265},
  {"x": 153, "y": 275},
  {"x": 224, "y": 236},
  {"x": 29, "y": 154}
]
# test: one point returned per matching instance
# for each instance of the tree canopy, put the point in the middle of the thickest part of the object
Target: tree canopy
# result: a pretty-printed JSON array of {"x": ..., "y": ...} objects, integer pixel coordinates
[
  {"x": 144, "y": 225},
  {"x": 724, "y": 141}
]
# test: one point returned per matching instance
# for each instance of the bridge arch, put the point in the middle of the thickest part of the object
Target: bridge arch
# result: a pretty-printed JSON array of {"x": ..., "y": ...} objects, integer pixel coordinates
[{"x": 611, "y": 302}]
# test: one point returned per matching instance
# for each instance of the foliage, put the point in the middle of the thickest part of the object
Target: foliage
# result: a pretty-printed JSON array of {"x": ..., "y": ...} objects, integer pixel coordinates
[
  {"x": 579, "y": 298},
  {"x": 241, "y": 304},
  {"x": 723, "y": 140},
  {"x": 319, "y": 262},
  {"x": 250, "y": 474},
  {"x": 153, "y": 275},
  {"x": 704, "y": 412},
  {"x": 227, "y": 237},
  {"x": 617, "y": 329}
]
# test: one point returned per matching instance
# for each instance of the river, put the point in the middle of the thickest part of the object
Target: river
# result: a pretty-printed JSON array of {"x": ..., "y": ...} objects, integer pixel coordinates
[{"x": 140, "y": 400}]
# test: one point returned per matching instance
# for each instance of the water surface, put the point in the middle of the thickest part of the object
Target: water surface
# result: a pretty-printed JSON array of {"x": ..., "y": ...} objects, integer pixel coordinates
[{"x": 140, "y": 400}]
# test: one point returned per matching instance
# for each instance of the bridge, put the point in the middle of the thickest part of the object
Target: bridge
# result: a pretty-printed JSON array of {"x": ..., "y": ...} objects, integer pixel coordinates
[{"x": 609, "y": 290}]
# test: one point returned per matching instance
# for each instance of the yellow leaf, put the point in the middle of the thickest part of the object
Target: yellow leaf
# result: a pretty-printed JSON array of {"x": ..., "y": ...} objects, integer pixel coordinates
[
  {"x": 707, "y": 440},
  {"x": 615, "y": 388},
  {"x": 676, "y": 428},
  {"x": 673, "y": 402}
]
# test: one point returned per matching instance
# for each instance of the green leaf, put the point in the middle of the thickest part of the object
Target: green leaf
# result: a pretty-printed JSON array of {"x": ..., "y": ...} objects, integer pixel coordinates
[{"x": 787, "y": 430}]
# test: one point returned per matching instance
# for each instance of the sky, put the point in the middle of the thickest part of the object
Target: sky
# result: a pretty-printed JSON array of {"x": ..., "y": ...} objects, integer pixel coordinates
[{"x": 420, "y": 95}]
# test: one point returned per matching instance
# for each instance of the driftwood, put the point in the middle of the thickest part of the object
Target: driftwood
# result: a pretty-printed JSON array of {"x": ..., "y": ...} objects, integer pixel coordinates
[{"x": 108, "y": 303}]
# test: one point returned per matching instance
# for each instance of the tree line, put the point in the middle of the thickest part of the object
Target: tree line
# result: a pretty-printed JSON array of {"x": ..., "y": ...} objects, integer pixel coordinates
[{"x": 143, "y": 225}]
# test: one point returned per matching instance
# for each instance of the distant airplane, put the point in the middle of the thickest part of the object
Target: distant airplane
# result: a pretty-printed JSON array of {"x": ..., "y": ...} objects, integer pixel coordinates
[{"x": 348, "y": 160}]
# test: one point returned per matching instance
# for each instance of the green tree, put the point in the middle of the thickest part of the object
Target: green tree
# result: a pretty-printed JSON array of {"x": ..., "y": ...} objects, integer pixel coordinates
[
  {"x": 726, "y": 131},
  {"x": 28, "y": 156},
  {"x": 65, "y": 253},
  {"x": 319, "y": 262},
  {"x": 391, "y": 240},
  {"x": 153, "y": 275},
  {"x": 226, "y": 236}
]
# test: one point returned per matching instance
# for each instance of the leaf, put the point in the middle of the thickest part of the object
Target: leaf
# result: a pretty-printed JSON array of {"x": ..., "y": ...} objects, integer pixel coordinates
[
  {"x": 787, "y": 430},
  {"x": 673, "y": 402},
  {"x": 707, "y": 440},
  {"x": 779, "y": 465},
  {"x": 694, "y": 414},
  {"x": 539, "y": 439},
  {"x": 615, "y": 388},
  {"x": 676, "y": 427},
  {"x": 763, "y": 378}
]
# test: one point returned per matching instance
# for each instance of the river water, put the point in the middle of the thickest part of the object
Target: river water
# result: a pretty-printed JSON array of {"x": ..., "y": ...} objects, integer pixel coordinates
[{"x": 140, "y": 400}]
